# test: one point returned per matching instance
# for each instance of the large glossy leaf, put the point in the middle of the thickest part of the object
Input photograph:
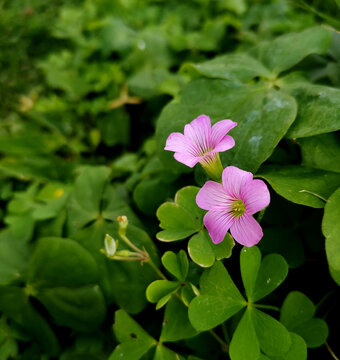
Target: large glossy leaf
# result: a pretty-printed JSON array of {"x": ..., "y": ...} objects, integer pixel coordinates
[
  {"x": 331, "y": 230},
  {"x": 263, "y": 116},
  {"x": 219, "y": 299},
  {"x": 318, "y": 110},
  {"x": 234, "y": 67},
  {"x": 287, "y": 50},
  {"x": 61, "y": 274},
  {"x": 301, "y": 185},
  {"x": 321, "y": 151}
]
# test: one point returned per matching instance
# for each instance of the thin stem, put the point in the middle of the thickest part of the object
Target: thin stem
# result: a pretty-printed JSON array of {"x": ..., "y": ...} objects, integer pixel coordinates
[
  {"x": 312, "y": 193},
  {"x": 331, "y": 351},
  {"x": 129, "y": 243},
  {"x": 156, "y": 269},
  {"x": 224, "y": 345},
  {"x": 269, "y": 307},
  {"x": 126, "y": 258}
]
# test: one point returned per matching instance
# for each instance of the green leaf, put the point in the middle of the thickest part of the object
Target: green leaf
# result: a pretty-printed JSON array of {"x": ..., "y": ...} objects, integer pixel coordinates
[
  {"x": 135, "y": 342},
  {"x": 82, "y": 308},
  {"x": 158, "y": 289},
  {"x": 273, "y": 337},
  {"x": 84, "y": 205},
  {"x": 61, "y": 262},
  {"x": 244, "y": 344},
  {"x": 14, "y": 255},
  {"x": 125, "y": 329},
  {"x": 250, "y": 262},
  {"x": 123, "y": 282},
  {"x": 8, "y": 343},
  {"x": 271, "y": 274},
  {"x": 180, "y": 218},
  {"x": 301, "y": 185},
  {"x": 297, "y": 315},
  {"x": 176, "y": 264},
  {"x": 219, "y": 300},
  {"x": 234, "y": 67},
  {"x": 163, "y": 353},
  {"x": 318, "y": 110},
  {"x": 61, "y": 275},
  {"x": 321, "y": 151},
  {"x": 176, "y": 325},
  {"x": 288, "y": 50},
  {"x": 204, "y": 252},
  {"x": 331, "y": 230},
  {"x": 263, "y": 116},
  {"x": 297, "y": 350},
  {"x": 15, "y": 304}
]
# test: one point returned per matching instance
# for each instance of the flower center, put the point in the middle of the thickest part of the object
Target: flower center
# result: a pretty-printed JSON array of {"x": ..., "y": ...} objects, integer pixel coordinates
[{"x": 238, "y": 208}]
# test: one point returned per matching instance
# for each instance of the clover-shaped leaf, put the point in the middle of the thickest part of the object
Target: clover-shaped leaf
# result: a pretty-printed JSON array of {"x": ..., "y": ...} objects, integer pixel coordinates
[
  {"x": 160, "y": 291},
  {"x": 176, "y": 325},
  {"x": 176, "y": 264},
  {"x": 297, "y": 315},
  {"x": 219, "y": 300},
  {"x": 204, "y": 252},
  {"x": 261, "y": 278},
  {"x": 180, "y": 218},
  {"x": 135, "y": 342}
]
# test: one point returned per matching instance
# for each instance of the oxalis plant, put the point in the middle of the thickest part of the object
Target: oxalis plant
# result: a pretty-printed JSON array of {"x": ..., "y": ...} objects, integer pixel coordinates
[{"x": 244, "y": 327}]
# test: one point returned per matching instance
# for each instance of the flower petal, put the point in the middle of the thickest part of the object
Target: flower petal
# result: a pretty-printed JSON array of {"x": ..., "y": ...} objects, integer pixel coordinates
[
  {"x": 234, "y": 179},
  {"x": 220, "y": 129},
  {"x": 213, "y": 197},
  {"x": 246, "y": 230},
  {"x": 225, "y": 144},
  {"x": 218, "y": 223},
  {"x": 177, "y": 142},
  {"x": 187, "y": 159},
  {"x": 199, "y": 132},
  {"x": 255, "y": 196}
]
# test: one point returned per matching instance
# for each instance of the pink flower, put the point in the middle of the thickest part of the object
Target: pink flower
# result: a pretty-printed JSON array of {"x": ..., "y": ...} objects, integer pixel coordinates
[
  {"x": 231, "y": 205},
  {"x": 202, "y": 143}
]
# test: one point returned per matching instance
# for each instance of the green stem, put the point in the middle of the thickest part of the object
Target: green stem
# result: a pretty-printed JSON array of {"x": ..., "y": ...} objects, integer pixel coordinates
[
  {"x": 224, "y": 345},
  {"x": 126, "y": 258},
  {"x": 331, "y": 351},
  {"x": 155, "y": 268},
  {"x": 269, "y": 307},
  {"x": 130, "y": 244}
]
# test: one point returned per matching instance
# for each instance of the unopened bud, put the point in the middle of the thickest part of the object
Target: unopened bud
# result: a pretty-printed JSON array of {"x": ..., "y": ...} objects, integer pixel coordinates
[
  {"x": 110, "y": 245},
  {"x": 122, "y": 224},
  {"x": 124, "y": 253}
]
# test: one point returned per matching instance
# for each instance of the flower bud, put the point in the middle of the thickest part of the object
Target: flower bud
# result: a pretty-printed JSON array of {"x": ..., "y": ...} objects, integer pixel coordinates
[
  {"x": 122, "y": 224},
  {"x": 110, "y": 245}
]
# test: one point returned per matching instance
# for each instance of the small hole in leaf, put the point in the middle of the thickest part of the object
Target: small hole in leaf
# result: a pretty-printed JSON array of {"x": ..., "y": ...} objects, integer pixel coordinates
[{"x": 133, "y": 336}]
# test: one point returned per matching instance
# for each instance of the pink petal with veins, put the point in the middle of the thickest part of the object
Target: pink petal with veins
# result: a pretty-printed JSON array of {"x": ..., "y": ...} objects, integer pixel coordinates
[
  {"x": 246, "y": 230},
  {"x": 218, "y": 223},
  {"x": 234, "y": 179},
  {"x": 213, "y": 197},
  {"x": 255, "y": 196}
]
